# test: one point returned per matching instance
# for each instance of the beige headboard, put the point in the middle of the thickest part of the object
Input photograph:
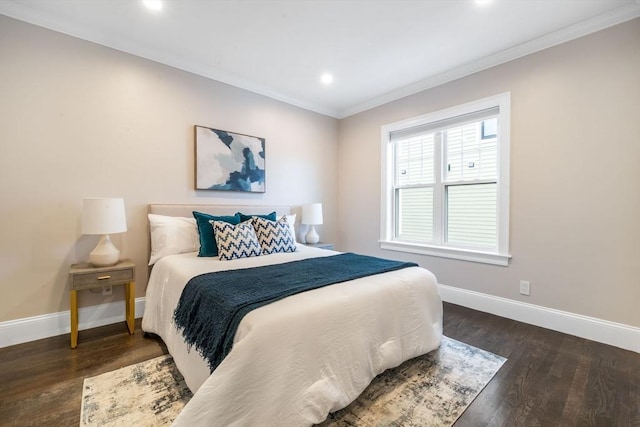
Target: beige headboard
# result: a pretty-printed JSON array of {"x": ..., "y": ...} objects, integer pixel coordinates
[{"x": 186, "y": 210}]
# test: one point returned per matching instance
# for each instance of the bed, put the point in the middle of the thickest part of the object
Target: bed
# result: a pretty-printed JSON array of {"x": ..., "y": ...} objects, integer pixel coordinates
[{"x": 295, "y": 360}]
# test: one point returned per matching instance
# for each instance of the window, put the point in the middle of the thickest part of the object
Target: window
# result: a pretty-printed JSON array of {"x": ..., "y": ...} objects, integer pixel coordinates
[{"x": 445, "y": 186}]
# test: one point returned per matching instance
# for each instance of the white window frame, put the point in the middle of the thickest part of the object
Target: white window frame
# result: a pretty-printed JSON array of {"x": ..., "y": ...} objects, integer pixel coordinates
[{"x": 501, "y": 255}]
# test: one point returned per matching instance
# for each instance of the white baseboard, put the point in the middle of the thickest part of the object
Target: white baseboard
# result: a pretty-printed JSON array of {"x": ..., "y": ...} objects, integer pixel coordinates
[
  {"x": 49, "y": 325},
  {"x": 615, "y": 334}
]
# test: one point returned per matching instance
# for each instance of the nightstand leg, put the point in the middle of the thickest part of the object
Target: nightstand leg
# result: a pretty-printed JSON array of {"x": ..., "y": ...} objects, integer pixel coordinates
[
  {"x": 130, "y": 294},
  {"x": 73, "y": 295}
]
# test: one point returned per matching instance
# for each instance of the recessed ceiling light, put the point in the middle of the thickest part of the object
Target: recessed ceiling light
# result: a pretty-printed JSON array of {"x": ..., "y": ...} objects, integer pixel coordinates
[
  {"x": 483, "y": 2},
  {"x": 326, "y": 78},
  {"x": 154, "y": 5}
]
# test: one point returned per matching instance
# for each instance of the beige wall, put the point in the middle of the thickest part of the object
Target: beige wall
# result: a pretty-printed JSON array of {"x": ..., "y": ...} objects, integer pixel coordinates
[
  {"x": 81, "y": 120},
  {"x": 575, "y": 176}
]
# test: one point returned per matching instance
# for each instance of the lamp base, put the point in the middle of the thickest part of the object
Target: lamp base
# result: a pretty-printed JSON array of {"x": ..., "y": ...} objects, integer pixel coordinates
[
  {"x": 312, "y": 237},
  {"x": 105, "y": 254}
]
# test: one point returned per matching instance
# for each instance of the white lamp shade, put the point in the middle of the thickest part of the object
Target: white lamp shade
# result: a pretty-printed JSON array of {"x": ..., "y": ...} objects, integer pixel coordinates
[
  {"x": 103, "y": 216},
  {"x": 312, "y": 214}
]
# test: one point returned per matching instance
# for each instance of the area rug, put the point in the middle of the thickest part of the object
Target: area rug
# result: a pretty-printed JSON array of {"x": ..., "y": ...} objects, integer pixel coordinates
[
  {"x": 149, "y": 393},
  {"x": 430, "y": 390}
]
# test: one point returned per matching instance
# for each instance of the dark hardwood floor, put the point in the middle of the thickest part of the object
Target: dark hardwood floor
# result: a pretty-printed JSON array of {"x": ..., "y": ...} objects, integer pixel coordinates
[
  {"x": 41, "y": 381},
  {"x": 549, "y": 379}
]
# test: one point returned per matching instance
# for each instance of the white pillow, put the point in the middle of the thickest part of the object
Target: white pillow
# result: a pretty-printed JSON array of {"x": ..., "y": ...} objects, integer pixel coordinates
[
  {"x": 291, "y": 219},
  {"x": 172, "y": 235}
]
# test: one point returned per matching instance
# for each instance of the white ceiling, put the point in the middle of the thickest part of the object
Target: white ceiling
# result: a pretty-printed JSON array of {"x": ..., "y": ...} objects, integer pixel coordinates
[{"x": 377, "y": 50}]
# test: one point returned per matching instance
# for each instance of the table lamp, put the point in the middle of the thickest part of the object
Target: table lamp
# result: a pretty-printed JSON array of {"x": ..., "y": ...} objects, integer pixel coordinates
[
  {"x": 103, "y": 217},
  {"x": 312, "y": 215}
]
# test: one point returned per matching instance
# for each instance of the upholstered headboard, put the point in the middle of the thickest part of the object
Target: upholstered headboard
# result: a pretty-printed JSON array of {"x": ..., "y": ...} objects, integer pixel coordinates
[{"x": 186, "y": 210}]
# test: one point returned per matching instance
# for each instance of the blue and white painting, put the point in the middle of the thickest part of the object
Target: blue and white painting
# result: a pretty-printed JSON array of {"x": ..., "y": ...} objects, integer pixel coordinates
[{"x": 229, "y": 161}]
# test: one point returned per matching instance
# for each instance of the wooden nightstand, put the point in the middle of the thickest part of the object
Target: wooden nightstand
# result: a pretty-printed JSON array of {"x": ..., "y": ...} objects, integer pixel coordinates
[
  {"x": 85, "y": 276},
  {"x": 320, "y": 245}
]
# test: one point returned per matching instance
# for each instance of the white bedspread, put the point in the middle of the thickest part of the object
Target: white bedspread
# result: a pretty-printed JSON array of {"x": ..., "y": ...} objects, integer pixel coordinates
[{"x": 296, "y": 360}]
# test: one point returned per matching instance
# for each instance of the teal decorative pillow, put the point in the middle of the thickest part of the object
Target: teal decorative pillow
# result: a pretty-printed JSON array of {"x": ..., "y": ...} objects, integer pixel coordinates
[
  {"x": 235, "y": 241},
  {"x": 274, "y": 236},
  {"x": 208, "y": 245},
  {"x": 245, "y": 217}
]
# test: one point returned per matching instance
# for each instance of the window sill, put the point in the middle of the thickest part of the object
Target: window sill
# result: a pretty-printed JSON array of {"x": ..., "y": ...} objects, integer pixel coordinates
[{"x": 439, "y": 251}]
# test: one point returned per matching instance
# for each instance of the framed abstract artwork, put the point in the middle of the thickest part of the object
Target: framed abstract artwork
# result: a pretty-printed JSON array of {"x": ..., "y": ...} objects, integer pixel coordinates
[{"x": 229, "y": 161}]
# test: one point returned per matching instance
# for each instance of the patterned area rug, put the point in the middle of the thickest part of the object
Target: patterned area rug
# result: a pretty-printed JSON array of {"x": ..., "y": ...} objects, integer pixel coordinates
[
  {"x": 149, "y": 393},
  {"x": 430, "y": 390}
]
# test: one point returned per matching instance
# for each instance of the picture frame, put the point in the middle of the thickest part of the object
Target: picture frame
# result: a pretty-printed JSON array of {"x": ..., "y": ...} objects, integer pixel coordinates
[{"x": 229, "y": 161}]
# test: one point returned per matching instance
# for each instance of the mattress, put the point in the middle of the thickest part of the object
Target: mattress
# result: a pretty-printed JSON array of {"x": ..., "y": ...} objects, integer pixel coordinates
[{"x": 298, "y": 359}]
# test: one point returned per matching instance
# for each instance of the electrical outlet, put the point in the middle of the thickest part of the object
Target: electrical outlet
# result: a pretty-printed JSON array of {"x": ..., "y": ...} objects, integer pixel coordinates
[
  {"x": 107, "y": 290},
  {"x": 525, "y": 287}
]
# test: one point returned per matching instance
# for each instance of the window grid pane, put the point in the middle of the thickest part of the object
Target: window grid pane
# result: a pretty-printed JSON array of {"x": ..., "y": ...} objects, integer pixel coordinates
[
  {"x": 472, "y": 215},
  {"x": 468, "y": 156},
  {"x": 414, "y": 214},
  {"x": 490, "y": 128},
  {"x": 414, "y": 161}
]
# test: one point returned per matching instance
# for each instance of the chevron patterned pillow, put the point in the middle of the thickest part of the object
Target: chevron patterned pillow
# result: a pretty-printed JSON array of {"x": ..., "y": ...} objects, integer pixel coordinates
[
  {"x": 274, "y": 236},
  {"x": 235, "y": 241}
]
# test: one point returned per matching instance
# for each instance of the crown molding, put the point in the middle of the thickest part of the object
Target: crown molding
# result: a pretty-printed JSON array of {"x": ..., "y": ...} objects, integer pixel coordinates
[
  {"x": 572, "y": 32},
  {"x": 27, "y": 14},
  {"x": 617, "y": 16}
]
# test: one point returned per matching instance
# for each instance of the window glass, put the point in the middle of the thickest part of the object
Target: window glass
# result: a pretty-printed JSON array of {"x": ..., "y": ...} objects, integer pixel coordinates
[
  {"x": 490, "y": 128},
  {"x": 415, "y": 214},
  {"x": 472, "y": 215},
  {"x": 468, "y": 156},
  {"x": 414, "y": 164}
]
